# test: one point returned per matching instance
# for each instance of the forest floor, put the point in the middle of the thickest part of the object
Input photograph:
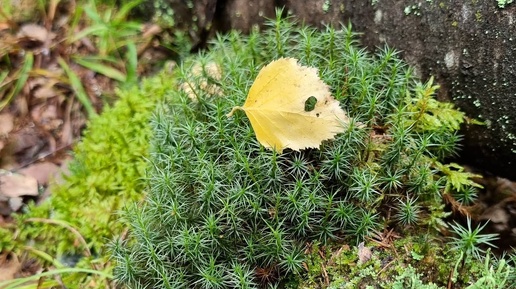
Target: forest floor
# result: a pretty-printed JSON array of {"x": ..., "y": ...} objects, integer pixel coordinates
[{"x": 60, "y": 65}]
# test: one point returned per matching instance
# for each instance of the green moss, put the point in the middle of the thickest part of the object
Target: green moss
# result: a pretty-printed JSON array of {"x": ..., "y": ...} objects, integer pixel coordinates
[
  {"x": 223, "y": 212},
  {"x": 326, "y": 6},
  {"x": 478, "y": 16},
  {"x": 417, "y": 260},
  {"x": 105, "y": 175},
  {"x": 503, "y": 3}
]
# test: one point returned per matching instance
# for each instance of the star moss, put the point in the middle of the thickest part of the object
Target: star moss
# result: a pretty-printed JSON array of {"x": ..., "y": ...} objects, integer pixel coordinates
[{"x": 224, "y": 212}]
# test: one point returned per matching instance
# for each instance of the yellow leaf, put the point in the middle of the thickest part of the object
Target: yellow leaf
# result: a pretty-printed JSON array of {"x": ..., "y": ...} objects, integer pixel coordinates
[{"x": 289, "y": 106}]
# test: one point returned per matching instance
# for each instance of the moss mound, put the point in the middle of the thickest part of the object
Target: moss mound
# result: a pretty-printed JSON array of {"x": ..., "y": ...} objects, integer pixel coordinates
[{"x": 223, "y": 212}]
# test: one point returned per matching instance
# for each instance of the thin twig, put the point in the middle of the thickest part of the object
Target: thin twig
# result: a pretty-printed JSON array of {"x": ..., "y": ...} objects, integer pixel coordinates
[
  {"x": 385, "y": 267},
  {"x": 450, "y": 281}
]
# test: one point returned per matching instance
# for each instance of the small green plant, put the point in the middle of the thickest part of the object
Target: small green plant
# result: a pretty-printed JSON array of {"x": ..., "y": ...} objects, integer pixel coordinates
[
  {"x": 19, "y": 78},
  {"x": 407, "y": 211},
  {"x": 115, "y": 36},
  {"x": 467, "y": 195},
  {"x": 224, "y": 212},
  {"x": 457, "y": 180},
  {"x": 111, "y": 28},
  {"x": 112, "y": 51},
  {"x": 494, "y": 278},
  {"x": 106, "y": 172},
  {"x": 503, "y": 3},
  {"x": 75, "y": 83},
  {"x": 469, "y": 240},
  {"x": 417, "y": 261},
  {"x": 411, "y": 279}
]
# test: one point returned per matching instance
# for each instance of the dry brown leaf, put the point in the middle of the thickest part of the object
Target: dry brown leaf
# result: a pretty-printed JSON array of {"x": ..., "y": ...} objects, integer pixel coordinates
[
  {"x": 28, "y": 138},
  {"x": 14, "y": 185},
  {"x": 39, "y": 81},
  {"x": 4, "y": 26},
  {"x": 46, "y": 116},
  {"x": 6, "y": 123},
  {"x": 34, "y": 32},
  {"x": 10, "y": 266},
  {"x": 150, "y": 30},
  {"x": 43, "y": 172},
  {"x": 364, "y": 253},
  {"x": 45, "y": 92}
]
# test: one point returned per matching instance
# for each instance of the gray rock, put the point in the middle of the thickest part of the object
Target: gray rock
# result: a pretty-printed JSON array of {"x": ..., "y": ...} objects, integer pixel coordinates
[{"x": 469, "y": 46}]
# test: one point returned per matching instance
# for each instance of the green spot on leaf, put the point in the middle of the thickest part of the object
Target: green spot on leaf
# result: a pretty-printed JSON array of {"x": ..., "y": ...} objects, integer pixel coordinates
[{"x": 310, "y": 103}]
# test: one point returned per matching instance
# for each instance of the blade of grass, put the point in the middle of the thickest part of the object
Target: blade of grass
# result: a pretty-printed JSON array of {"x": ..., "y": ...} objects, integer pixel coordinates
[
  {"x": 76, "y": 84},
  {"x": 41, "y": 5},
  {"x": 48, "y": 74},
  {"x": 52, "y": 7},
  {"x": 12, "y": 284},
  {"x": 3, "y": 76},
  {"x": 121, "y": 15},
  {"x": 107, "y": 15},
  {"x": 47, "y": 284},
  {"x": 91, "y": 11},
  {"x": 93, "y": 30},
  {"x": 67, "y": 226},
  {"x": 132, "y": 63},
  {"x": 6, "y": 14},
  {"x": 76, "y": 17},
  {"x": 46, "y": 257},
  {"x": 98, "y": 58},
  {"x": 23, "y": 75},
  {"x": 102, "y": 69}
]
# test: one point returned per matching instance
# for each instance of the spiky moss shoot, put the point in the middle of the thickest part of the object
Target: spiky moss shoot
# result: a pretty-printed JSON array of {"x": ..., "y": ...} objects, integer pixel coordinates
[
  {"x": 219, "y": 202},
  {"x": 407, "y": 211}
]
